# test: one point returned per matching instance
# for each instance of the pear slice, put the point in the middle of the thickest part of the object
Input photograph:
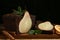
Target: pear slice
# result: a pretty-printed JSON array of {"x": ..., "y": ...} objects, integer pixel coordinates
[
  {"x": 26, "y": 23},
  {"x": 45, "y": 26},
  {"x": 57, "y": 28}
]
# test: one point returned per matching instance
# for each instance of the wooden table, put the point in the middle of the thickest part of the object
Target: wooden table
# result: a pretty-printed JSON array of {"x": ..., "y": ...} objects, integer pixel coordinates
[{"x": 39, "y": 36}]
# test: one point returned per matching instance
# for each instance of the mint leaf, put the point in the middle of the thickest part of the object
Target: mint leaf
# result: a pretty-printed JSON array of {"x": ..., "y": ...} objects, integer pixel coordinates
[
  {"x": 38, "y": 31},
  {"x": 19, "y": 11},
  {"x": 35, "y": 32},
  {"x": 31, "y": 32}
]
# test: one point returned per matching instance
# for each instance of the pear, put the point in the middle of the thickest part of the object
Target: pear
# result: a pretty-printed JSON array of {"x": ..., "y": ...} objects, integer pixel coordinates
[
  {"x": 47, "y": 26},
  {"x": 26, "y": 23}
]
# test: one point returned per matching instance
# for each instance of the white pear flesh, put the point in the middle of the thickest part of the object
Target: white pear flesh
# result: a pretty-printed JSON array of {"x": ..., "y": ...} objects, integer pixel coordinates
[
  {"x": 25, "y": 24},
  {"x": 45, "y": 26}
]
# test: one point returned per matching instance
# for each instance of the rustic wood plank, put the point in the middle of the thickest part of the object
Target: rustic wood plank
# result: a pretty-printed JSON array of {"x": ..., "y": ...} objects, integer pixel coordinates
[{"x": 39, "y": 36}]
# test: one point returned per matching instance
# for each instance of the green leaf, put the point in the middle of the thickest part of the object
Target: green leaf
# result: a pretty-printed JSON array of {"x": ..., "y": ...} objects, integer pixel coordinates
[
  {"x": 19, "y": 11},
  {"x": 38, "y": 31},
  {"x": 31, "y": 32},
  {"x": 35, "y": 32}
]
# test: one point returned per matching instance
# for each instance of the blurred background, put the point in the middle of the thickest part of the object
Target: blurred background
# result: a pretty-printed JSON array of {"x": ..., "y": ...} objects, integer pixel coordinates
[{"x": 44, "y": 10}]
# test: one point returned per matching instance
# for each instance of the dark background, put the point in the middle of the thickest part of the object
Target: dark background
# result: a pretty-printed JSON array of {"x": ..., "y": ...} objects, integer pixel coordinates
[{"x": 45, "y": 10}]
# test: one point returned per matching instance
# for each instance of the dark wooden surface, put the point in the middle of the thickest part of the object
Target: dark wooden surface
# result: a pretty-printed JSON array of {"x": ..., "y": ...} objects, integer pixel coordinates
[{"x": 39, "y": 36}]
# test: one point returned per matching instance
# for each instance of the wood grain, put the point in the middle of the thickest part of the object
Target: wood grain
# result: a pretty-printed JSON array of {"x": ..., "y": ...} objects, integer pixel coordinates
[{"x": 39, "y": 36}]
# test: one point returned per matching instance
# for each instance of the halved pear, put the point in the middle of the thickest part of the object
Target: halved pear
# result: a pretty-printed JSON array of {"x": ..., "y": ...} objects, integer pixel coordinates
[
  {"x": 26, "y": 23},
  {"x": 45, "y": 26}
]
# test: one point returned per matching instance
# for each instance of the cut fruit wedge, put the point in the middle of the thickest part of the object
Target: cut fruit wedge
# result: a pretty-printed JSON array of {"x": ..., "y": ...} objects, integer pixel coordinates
[
  {"x": 26, "y": 23},
  {"x": 57, "y": 28},
  {"x": 47, "y": 26}
]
